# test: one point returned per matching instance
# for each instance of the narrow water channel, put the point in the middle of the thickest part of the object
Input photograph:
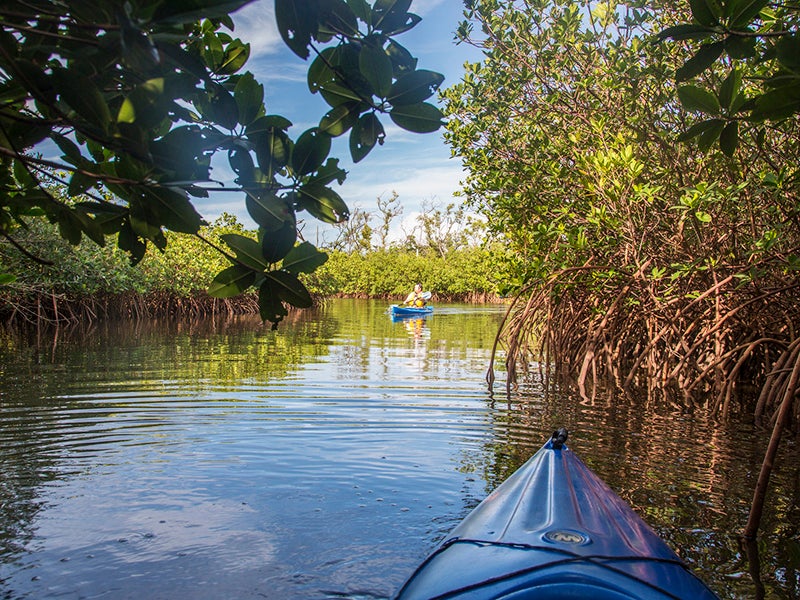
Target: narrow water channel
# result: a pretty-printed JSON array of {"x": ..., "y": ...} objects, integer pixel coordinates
[{"x": 325, "y": 460}]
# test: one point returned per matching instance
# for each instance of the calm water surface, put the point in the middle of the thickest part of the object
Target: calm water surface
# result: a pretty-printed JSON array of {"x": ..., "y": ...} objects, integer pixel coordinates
[{"x": 325, "y": 460}]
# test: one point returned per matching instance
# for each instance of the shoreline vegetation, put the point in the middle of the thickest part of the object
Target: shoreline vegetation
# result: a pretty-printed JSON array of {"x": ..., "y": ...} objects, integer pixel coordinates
[
  {"x": 87, "y": 283},
  {"x": 43, "y": 308}
]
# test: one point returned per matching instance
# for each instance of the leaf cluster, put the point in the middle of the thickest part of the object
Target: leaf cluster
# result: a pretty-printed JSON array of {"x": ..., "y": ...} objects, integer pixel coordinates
[
  {"x": 89, "y": 270},
  {"x": 139, "y": 97},
  {"x": 745, "y": 61}
]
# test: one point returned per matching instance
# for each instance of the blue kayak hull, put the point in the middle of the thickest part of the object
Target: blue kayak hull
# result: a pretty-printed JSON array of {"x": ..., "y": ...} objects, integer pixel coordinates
[
  {"x": 554, "y": 530},
  {"x": 410, "y": 311}
]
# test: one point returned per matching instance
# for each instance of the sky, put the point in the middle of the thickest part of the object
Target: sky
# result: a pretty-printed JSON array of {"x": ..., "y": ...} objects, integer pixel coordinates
[{"x": 416, "y": 166}]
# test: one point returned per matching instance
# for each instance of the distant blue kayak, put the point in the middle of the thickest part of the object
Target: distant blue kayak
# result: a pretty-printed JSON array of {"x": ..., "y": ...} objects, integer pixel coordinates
[
  {"x": 410, "y": 311},
  {"x": 554, "y": 530}
]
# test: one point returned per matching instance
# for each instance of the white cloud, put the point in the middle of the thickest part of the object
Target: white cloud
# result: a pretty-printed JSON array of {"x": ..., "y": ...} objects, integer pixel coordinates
[
  {"x": 424, "y": 7},
  {"x": 255, "y": 24},
  {"x": 413, "y": 185}
]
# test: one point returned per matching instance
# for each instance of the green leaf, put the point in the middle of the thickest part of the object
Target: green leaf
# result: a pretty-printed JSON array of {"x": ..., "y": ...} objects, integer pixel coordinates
[
  {"x": 83, "y": 96},
  {"x": 414, "y": 87},
  {"x": 323, "y": 203},
  {"x": 706, "y": 12},
  {"x": 249, "y": 96},
  {"x": 367, "y": 132},
  {"x": 328, "y": 173},
  {"x": 392, "y": 16},
  {"x": 236, "y": 55},
  {"x": 387, "y": 6},
  {"x": 729, "y": 138},
  {"x": 710, "y": 135},
  {"x": 242, "y": 164},
  {"x": 289, "y": 289},
  {"x": 231, "y": 281},
  {"x": 335, "y": 74},
  {"x": 276, "y": 243},
  {"x": 272, "y": 145},
  {"x": 740, "y": 47},
  {"x": 129, "y": 241},
  {"x": 702, "y": 60},
  {"x": 777, "y": 104},
  {"x": 71, "y": 151},
  {"x": 79, "y": 183},
  {"x": 361, "y": 9},
  {"x": 340, "y": 119},
  {"x": 110, "y": 218},
  {"x": 220, "y": 106},
  {"x": 321, "y": 72},
  {"x": 730, "y": 89},
  {"x": 268, "y": 123},
  {"x": 139, "y": 52},
  {"x": 304, "y": 258},
  {"x": 34, "y": 78},
  {"x": 310, "y": 151},
  {"x": 699, "y": 128},
  {"x": 174, "y": 209},
  {"x": 89, "y": 226},
  {"x": 744, "y": 11},
  {"x": 376, "y": 66},
  {"x": 402, "y": 60},
  {"x": 297, "y": 23},
  {"x": 268, "y": 210},
  {"x": 788, "y": 52},
  {"x": 145, "y": 224},
  {"x": 419, "y": 118},
  {"x": 24, "y": 178},
  {"x": 337, "y": 17},
  {"x": 269, "y": 303},
  {"x": 145, "y": 105},
  {"x": 247, "y": 250},
  {"x": 335, "y": 94},
  {"x": 697, "y": 99},
  {"x": 6, "y": 278},
  {"x": 179, "y": 13},
  {"x": 399, "y": 23},
  {"x": 685, "y": 32},
  {"x": 69, "y": 225}
]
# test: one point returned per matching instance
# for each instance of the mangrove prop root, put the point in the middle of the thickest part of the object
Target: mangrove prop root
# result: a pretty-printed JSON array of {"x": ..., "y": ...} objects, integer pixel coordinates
[
  {"x": 48, "y": 308},
  {"x": 782, "y": 419},
  {"x": 706, "y": 341}
]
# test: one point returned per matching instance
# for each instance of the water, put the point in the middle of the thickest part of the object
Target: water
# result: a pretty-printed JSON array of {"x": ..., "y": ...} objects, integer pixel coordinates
[{"x": 221, "y": 459}]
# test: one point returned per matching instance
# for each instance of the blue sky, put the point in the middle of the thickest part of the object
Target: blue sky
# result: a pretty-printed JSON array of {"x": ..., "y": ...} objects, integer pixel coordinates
[{"x": 417, "y": 167}]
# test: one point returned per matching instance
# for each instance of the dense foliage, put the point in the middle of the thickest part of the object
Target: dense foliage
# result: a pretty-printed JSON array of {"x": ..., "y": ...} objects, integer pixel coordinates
[
  {"x": 443, "y": 248},
  {"x": 653, "y": 262},
  {"x": 140, "y": 95},
  {"x": 78, "y": 283},
  {"x": 757, "y": 44},
  {"x": 466, "y": 275}
]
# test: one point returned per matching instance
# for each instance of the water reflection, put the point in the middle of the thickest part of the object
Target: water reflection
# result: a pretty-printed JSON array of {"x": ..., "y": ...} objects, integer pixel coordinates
[
  {"x": 415, "y": 327},
  {"x": 207, "y": 460}
]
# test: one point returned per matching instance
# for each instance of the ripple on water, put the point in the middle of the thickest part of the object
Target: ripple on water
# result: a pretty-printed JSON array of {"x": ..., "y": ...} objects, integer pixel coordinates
[{"x": 238, "y": 465}]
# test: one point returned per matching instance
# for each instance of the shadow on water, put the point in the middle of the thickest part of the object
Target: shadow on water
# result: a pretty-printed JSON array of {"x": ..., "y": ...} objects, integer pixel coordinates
[{"x": 221, "y": 459}]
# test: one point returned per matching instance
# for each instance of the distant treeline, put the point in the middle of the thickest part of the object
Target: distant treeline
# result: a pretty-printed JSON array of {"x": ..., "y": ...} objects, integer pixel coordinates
[{"x": 86, "y": 282}]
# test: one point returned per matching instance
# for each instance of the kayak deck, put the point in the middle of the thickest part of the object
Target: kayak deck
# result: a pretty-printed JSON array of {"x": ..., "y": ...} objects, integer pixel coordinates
[{"x": 554, "y": 530}]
